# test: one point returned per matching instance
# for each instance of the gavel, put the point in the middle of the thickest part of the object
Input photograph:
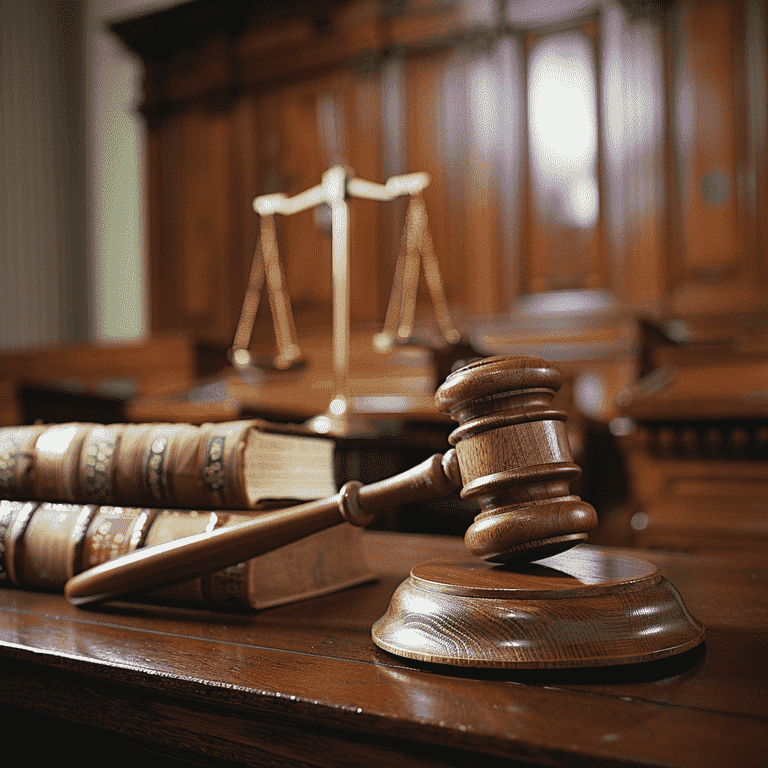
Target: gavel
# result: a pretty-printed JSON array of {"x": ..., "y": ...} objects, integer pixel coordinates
[{"x": 511, "y": 455}]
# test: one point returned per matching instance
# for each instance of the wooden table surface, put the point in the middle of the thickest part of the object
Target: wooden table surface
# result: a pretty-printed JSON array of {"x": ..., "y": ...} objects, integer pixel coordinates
[
  {"x": 304, "y": 684},
  {"x": 398, "y": 385}
]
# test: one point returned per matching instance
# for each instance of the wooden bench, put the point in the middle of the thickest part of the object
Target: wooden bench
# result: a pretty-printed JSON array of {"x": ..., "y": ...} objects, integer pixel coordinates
[{"x": 100, "y": 373}]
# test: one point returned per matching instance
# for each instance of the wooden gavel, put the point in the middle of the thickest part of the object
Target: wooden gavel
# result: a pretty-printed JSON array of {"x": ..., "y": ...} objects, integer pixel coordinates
[{"x": 511, "y": 455}]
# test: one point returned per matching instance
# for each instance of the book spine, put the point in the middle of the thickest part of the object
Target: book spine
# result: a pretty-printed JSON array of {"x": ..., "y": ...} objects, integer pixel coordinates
[
  {"x": 16, "y": 461},
  {"x": 140, "y": 465},
  {"x": 14, "y": 519},
  {"x": 55, "y": 472},
  {"x": 50, "y": 551},
  {"x": 97, "y": 464},
  {"x": 114, "y": 532},
  {"x": 43, "y": 544}
]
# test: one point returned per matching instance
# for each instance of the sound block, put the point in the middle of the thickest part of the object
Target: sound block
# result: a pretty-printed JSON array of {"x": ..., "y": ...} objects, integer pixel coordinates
[{"x": 585, "y": 607}]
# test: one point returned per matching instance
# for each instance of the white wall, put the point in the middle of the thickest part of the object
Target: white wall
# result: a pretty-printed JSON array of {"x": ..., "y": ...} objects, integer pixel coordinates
[{"x": 115, "y": 154}]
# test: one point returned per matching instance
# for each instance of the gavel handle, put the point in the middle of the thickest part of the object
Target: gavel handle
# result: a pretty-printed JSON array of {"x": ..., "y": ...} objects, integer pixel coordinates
[{"x": 204, "y": 553}]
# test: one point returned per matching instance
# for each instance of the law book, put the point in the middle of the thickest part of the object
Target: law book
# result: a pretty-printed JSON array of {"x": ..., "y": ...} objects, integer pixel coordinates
[
  {"x": 43, "y": 544},
  {"x": 246, "y": 464}
]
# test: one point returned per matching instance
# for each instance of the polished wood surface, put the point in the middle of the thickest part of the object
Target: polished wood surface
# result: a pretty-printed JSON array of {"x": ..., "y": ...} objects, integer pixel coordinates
[{"x": 304, "y": 684}]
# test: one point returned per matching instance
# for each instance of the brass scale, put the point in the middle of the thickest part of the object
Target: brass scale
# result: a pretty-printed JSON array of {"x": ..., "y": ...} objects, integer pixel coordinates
[{"x": 416, "y": 252}]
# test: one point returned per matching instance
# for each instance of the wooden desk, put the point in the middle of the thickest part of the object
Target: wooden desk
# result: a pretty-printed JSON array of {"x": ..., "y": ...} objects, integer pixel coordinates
[
  {"x": 396, "y": 386},
  {"x": 304, "y": 685},
  {"x": 91, "y": 380}
]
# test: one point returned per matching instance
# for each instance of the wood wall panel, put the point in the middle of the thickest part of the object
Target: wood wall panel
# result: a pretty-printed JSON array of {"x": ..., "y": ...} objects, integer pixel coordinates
[
  {"x": 560, "y": 253},
  {"x": 637, "y": 169},
  {"x": 190, "y": 232},
  {"x": 713, "y": 242},
  {"x": 305, "y": 248},
  {"x": 369, "y": 273},
  {"x": 244, "y": 166},
  {"x": 231, "y": 99},
  {"x": 484, "y": 290},
  {"x": 202, "y": 219},
  {"x": 429, "y": 89},
  {"x": 715, "y": 260}
]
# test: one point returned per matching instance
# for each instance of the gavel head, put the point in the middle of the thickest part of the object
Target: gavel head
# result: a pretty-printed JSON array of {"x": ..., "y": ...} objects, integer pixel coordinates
[{"x": 515, "y": 459}]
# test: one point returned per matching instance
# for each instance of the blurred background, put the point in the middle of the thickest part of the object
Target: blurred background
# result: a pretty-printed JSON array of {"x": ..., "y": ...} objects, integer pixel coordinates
[
  {"x": 598, "y": 196},
  {"x": 614, "y": 147}
]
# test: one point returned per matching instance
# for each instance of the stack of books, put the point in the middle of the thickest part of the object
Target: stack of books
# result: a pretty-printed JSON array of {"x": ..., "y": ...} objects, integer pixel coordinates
[{"x": 75, "y": 495}]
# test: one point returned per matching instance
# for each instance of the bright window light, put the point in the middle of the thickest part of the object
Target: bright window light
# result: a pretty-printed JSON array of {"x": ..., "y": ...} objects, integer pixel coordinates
[{"x": 562, "y": 97}]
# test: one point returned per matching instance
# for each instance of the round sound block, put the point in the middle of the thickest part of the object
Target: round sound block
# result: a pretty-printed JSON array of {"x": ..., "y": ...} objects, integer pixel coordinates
[{"x": 584, "y": 607}]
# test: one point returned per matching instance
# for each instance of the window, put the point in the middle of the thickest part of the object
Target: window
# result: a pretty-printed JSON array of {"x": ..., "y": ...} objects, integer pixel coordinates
[{"x": 563, "y": 232}]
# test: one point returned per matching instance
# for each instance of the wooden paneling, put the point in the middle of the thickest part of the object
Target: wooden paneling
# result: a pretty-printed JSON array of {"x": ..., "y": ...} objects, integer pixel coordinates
[
  {"x": 639, "y": 251},
  {"x": 427, "y": 99},
  {"x": 190, "y": 229},
  {"x": 304, "y": 246},
  {"x": 233, "y": 94},
  {"x": 697, "y": 449},
  {"x": 370, "y": 272},
  {"x": 715, "y": 259},
  {"x": 713, "y": 242}
]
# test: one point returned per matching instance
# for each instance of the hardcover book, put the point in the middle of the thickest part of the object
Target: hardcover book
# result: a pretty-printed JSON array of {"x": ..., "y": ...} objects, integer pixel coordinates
[
  {"x": 246, "y": 464},
  {"x": 43, "y": 544}
]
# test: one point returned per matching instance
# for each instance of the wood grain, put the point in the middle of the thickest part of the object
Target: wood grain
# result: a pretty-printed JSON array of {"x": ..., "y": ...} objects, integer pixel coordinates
[
  {"x": 515, "y": 459},
  {"x": 585, "y": 607},
  {"x": 304, "y": 685}
]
